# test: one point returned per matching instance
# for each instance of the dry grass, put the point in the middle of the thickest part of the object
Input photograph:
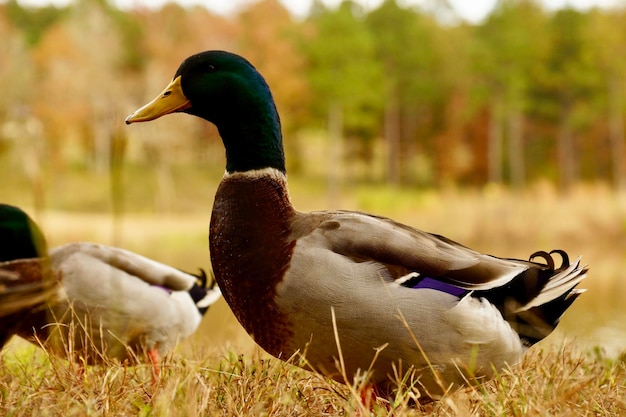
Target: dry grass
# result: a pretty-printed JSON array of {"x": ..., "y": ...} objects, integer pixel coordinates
[{"x": 551, "y": 381}]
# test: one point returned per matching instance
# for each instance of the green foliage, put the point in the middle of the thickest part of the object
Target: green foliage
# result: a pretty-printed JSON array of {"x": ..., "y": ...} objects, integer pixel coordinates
[
  {"x": 438, "y": 97},
  {"x": 342, "y": 68},
  {"x": 131, "y": 32},
  {"x": 571, "y": 78},
  {"x": 33, "y": 21},
  {"x": 404, "y": 48},
  {"x": 508, "y": 54}
]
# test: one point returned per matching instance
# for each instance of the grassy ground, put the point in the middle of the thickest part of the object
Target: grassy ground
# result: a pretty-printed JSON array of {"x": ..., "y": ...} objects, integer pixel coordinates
[{"x": 554, "y": 381}]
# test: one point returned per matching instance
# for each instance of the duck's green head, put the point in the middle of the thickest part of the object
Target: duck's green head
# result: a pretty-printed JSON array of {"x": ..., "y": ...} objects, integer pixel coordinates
[
  {"x": 20, "y": 237},
  {"x": 228, "y": 91}
]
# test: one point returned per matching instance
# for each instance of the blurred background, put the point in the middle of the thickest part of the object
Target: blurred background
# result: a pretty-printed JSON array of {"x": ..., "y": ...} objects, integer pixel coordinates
[{"x": 501, "y": 127}]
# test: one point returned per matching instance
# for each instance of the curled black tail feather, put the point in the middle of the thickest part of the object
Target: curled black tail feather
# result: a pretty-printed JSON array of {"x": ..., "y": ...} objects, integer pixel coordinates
[
  {"x": 200, "y": 291},
  {"x": 534, "y": 302}
]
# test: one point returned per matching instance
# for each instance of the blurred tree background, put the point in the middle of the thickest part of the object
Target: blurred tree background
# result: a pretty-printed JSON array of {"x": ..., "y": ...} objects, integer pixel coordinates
[{"x": 397, "y": 94}]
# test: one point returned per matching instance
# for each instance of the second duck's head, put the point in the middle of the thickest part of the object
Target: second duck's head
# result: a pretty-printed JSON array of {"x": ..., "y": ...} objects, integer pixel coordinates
[{"x": 20, "y": 237}]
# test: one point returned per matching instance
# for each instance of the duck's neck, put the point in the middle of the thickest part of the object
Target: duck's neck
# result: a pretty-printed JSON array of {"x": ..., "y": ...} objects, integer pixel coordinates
[{"x": 253, "y": 140}]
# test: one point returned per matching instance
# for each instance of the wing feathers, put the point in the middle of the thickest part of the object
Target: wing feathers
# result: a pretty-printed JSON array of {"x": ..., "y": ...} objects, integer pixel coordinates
[
  {"x": 404, "y": 250},
  {"x": 150, "y": 271},
  {"x": 369, "y": 238}
]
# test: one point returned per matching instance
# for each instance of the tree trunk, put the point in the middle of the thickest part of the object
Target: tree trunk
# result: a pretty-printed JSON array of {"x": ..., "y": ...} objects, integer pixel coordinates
[
  {"x": 101, "y": 135},
  {"x": 494, "y": 145},
  {"x": 335, "y": 152},
  {"x": 616, "y": 132},
  {"x": 566, "y": 152},
  {"x": 516, "y": 148},
  {"x": 165, "y": 190},
  {"x": 410, "y": 123},
  {"x": 392, "y": 135},
  {"x": 117, "y": 151}
]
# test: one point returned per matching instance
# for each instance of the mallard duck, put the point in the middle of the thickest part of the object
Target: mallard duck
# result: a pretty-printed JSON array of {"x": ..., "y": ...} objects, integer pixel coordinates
[
  {"x": 105, "y": 301},
  {"x": 21, "y": 292},
  {"x": 354, "y": 292}
]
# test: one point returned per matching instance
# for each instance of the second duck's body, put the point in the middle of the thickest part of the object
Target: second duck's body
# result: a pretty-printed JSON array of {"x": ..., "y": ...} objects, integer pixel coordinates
[{"x": 95, "y": 301}]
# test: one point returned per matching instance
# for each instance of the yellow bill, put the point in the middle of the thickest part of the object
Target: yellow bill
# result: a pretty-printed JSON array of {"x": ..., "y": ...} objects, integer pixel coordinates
[{"x": 169, "y": 101}]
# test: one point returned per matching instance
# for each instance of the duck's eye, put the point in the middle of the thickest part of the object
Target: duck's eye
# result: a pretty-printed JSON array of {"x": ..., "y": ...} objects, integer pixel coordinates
[{"x": 211, "y": 68}]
